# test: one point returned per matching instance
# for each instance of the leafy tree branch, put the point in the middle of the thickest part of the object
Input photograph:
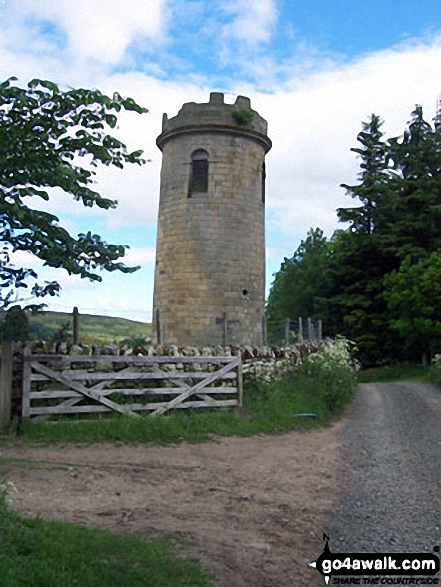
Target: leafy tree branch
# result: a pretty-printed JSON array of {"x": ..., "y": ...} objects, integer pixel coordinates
[{"x": 44, "y": 133}]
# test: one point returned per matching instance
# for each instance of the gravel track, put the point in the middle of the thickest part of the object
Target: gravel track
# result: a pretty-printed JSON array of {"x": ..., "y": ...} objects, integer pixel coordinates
[{"x": 391, "y": 471}]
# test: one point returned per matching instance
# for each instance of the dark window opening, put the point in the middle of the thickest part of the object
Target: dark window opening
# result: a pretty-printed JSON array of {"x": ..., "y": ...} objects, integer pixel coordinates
[
  {"x": 245, "y": 292},
  {"x": 198, "y": 173},
  {"x": 263, "y": 182}
]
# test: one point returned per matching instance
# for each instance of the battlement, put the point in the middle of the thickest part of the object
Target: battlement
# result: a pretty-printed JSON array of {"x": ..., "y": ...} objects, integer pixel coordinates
[{"x": 216, "y": 116}]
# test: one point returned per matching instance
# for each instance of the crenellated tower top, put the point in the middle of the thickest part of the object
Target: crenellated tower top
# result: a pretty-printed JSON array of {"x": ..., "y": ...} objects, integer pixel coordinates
[{"x": 217, "y": 116}]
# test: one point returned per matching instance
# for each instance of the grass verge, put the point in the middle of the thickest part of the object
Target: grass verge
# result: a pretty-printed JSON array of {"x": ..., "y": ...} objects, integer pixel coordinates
[
  {"x": 399, "y": 372},
  {"x": 39, "y": 553},
  {"x": 322, "y": 385},
  {"x": 268, "y": 409}
]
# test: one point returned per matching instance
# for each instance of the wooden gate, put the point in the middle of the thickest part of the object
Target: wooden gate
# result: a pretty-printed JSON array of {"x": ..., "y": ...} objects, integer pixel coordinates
[{"x": 62, "y": 384}]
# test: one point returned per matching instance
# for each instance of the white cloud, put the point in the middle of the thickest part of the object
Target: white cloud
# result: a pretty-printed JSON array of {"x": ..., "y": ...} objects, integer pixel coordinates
[
  {"x": 137, "y": 255},
  {"x": 253, "y": 21},
  {"x": 242, "y": 32},
  {"x": 100, "y": 30},
  {"x": 314, "y": 127},
  {"x": 71, "y": 282},
  {"x": 25, "y": 259},
  {"x": 121, "y": 306}
]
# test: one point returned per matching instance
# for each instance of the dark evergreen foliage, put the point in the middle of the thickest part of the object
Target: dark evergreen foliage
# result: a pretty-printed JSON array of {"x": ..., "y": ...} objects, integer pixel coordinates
[{"x": 374, "y": 282}]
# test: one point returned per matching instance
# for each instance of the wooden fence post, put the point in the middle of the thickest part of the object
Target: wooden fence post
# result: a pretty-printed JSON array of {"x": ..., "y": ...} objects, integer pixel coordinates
[
  {"x": 240, "y": 379},
  {"x": 158, "y": 327},
  {"x": 76, "y": 326},
  {"x": 224, "y": 329},
  {"x": 6, "y": 383},
  {"x": 320, "y": 330},
  {"x": 287, "y": 330},
  {"x": 310, "y": 334},
  {"x": 26, "y": 392},
  {"x": 300, "y": 329}
]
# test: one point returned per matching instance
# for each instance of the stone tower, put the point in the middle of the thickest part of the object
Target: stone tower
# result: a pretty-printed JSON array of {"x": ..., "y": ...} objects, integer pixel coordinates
[{"x": 210, "y": 255}]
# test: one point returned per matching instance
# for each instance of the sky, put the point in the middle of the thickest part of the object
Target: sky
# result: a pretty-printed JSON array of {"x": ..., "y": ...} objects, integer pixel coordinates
[{"x": 313, "y": 69}]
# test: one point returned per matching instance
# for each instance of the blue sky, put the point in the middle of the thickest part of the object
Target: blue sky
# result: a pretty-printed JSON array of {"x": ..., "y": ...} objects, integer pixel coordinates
[{"x": 314, "y": 69}]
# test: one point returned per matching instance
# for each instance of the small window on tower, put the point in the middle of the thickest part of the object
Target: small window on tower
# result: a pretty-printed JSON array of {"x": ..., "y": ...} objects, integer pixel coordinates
[
  {"x": 198, "y": 173},
  {"x": 263, "y": 182}
]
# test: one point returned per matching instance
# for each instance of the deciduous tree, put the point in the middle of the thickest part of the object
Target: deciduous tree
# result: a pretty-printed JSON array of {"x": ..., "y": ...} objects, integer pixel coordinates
[
  {"x": 413, "y": 295},
  {"x": 44, "y": 135},
  {"x": 300, "y": 284}
]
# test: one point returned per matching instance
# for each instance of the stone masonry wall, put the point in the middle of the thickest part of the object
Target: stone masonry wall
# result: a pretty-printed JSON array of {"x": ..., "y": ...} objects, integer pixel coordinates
[
  {"x": 210, "y": 260},
  {"x": 266, "y": 358},
  {"x": 257, "y": 361}
]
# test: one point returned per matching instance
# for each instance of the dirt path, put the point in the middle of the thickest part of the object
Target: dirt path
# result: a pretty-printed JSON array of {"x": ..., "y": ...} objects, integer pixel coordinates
[{"x": 254, "y": 508}]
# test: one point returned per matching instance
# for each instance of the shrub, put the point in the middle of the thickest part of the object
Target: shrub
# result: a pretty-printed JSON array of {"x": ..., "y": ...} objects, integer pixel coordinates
[
  {"x": 333, "y": 372},
  {"x": 243, "y": 116},
  {"x": 435, "y": 370}
]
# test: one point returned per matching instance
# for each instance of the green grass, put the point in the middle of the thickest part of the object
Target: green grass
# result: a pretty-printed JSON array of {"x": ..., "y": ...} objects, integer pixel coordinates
[
  {"x": 38, "y": 553},
  {"x": 54, "y": 554},
  {"x": 269, "y": 408},
  {"x": 399, "y": 372},
  {"x": 323, "y": 385},
  {"x": 93, "y": 329}
]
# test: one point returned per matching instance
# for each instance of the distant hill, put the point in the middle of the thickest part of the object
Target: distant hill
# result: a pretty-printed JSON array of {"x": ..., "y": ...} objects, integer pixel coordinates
[{"x": 93, "y": 329}]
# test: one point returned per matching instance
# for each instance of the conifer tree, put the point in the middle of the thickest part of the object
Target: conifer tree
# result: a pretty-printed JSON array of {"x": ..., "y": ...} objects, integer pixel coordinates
[
  {"x": 360, "y": 263},
  {"x": 416, "y": 229},
  {"x": 373, "y": 189}
]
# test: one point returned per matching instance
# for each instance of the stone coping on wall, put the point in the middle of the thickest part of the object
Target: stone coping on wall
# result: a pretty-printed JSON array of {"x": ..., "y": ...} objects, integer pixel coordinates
[{"x": 295, "y": 352}]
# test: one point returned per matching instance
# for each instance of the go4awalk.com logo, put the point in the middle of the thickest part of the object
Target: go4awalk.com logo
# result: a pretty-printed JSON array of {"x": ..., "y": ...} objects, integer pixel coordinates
[{"x": 377, "y": 569}]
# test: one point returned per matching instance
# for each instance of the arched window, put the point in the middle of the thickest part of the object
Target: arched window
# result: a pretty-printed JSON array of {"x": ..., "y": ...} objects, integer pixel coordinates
[{"x": 198, "y": 172}]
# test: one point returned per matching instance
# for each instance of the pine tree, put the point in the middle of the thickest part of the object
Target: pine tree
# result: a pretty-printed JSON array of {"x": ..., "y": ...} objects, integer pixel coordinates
[
  {"x": 373, "y": 190},
  {"x": 416, "y": 229},
  {"x": 359, "y": 262}
]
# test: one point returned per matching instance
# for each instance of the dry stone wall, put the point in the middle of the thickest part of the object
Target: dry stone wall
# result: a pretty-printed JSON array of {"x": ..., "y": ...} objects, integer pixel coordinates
[
  {"x": 258, "y": 363},
  {"x": 269, "y": 360}
]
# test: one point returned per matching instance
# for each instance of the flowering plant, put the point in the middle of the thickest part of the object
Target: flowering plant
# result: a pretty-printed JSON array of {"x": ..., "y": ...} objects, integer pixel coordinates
[
  {"x": 6, "y": 489},
  {"x": 334, "y": 371},
  {"x": 435, "y": 369}
]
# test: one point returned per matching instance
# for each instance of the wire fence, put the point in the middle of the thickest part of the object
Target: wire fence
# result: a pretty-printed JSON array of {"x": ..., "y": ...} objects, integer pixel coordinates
[
  {"x": 274, "y": 332},
  {"x": 289, "y": 331},
  {"x": 285, "y": 331}
]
